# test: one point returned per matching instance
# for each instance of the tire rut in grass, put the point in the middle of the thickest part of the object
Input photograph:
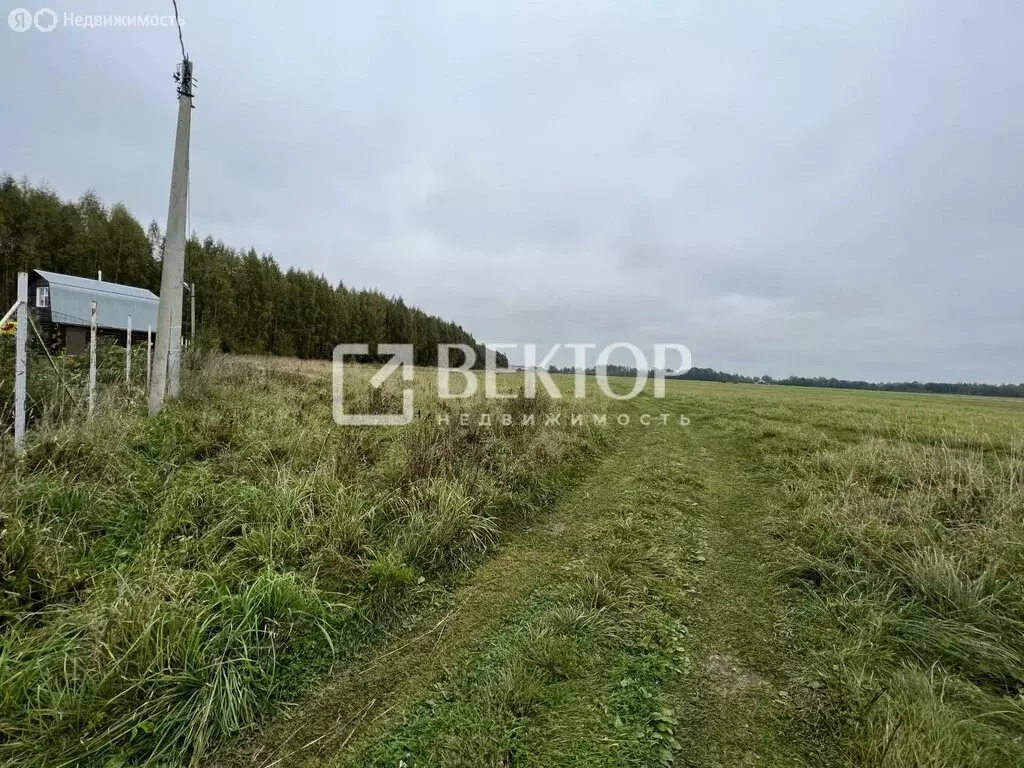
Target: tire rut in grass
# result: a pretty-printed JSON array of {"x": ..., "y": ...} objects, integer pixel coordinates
[
  {"x": 577, "y": 673},
  {"x": 696, "y": 676},
  {"x": 364, "y": 698},
  {"x": 741, "y": 707},
  {"x": 702, "y": 675}
]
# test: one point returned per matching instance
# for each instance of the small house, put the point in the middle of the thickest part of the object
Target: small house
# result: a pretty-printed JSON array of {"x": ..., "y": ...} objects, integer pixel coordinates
[{"x": 63, "y": 305}]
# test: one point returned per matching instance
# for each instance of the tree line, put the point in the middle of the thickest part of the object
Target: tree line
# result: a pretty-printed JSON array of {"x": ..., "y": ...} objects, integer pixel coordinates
[
  {"x": 608, "y": 370},
  {"x": 710, "y": 374},
  {"x": 245, "y": 302},
  {"x": 932, "y": 387}
]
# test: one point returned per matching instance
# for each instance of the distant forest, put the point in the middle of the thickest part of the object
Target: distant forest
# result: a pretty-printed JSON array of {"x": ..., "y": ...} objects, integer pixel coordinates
[
  {"x": 934, "y": 387},
  {"x": 244, "y": 301}
]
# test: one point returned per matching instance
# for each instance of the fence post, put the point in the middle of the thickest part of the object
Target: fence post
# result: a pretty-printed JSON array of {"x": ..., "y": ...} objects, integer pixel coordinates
[
  {"x": 149, "y": 353},
  {"x": 92, "y": 359},
  {"x": 128, "y": 354},
  {"x": 21, "y": 365}
]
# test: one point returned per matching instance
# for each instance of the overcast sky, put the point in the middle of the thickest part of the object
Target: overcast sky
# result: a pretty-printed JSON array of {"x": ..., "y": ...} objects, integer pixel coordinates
[{"x": 817, "y": 188}]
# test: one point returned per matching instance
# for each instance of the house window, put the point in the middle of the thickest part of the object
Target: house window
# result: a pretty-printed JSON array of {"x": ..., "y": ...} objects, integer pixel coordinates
[{"x": 43, "y": 296}]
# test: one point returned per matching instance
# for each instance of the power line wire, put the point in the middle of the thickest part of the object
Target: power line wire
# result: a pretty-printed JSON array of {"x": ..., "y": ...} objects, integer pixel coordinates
[{"x": 177, "y": 21}]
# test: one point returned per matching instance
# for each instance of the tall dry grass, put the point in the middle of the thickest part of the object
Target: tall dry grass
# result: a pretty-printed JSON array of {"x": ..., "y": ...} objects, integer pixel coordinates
[
  {"x": 165, "y": 582},
  {"x": 913, "y": 554}
]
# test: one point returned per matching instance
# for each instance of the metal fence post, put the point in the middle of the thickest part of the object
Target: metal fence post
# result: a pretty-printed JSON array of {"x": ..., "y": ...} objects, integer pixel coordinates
[
  {"x": 21, "y": 365},
  {"x": 128, "y": 354},
  {"x": 149, "y": 353},
  {"x": 92, "y": 359}
]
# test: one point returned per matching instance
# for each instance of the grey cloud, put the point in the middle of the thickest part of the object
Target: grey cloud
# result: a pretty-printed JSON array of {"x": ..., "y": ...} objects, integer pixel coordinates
[{"x": 785, "y": 187}]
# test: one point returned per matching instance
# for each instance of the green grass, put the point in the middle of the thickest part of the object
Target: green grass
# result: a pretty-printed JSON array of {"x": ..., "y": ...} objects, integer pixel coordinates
[
  {"x": 576, "y": 674},
  {"x": 164, "y": 583},
  {"x": 912, "y": 556},
  {"x": 797, "y": 578}
]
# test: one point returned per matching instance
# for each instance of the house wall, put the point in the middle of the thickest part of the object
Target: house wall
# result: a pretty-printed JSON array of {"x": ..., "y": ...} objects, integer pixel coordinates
[
  {"x": 76, "y": 340},
  {"x": 42, "y": 313},
  {"x": 72, "y": 332},
  {"x": 71, "y": 300},
  {"x": 51, "y": 334}
]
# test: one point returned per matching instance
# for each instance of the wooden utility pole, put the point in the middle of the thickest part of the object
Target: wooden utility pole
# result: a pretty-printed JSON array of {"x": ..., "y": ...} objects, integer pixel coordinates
[{"x": 166, "y": 375}]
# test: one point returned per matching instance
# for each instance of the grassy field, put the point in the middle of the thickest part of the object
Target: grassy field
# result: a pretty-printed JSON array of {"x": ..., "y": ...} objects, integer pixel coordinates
[
  {"x": 796, "y": 577},
  {"x": 165, "y": 582}
]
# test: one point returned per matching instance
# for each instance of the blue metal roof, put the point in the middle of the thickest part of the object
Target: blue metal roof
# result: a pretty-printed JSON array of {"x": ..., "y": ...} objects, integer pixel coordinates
[{"x": 71, "y": 300}]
